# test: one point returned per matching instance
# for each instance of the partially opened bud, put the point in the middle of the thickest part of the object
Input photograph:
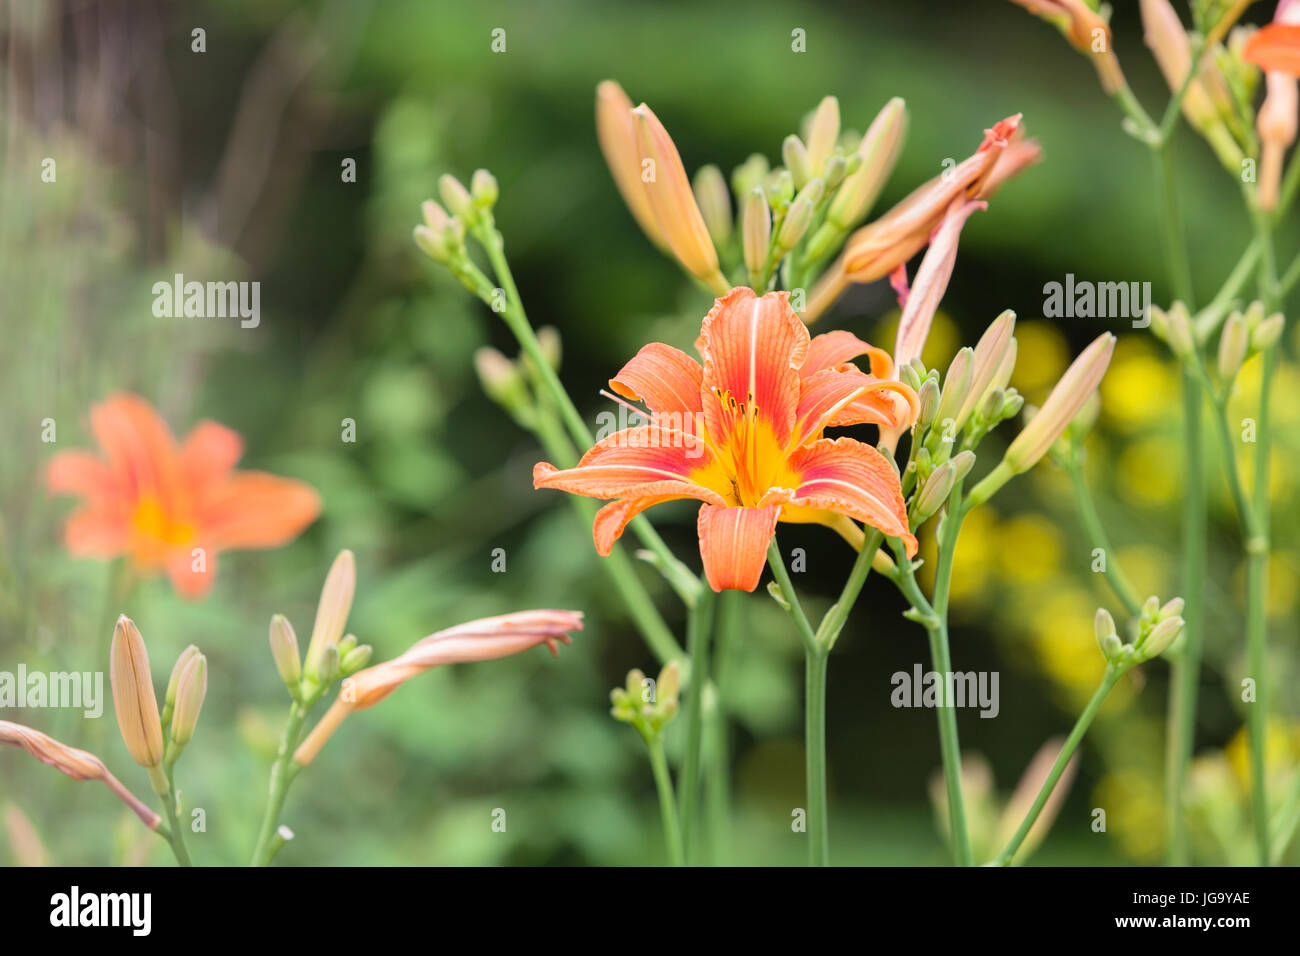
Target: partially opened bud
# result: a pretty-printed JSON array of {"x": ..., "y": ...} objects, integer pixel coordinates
[
  {"x": 331, "y": 613},
  {"x": 714, "y": 202},
  {"x": 481, "y": 640},
  {"x": 673, "y": 203},
  {"x": 757, "y": 231},
  {"x": 133, "y": 696},
  {"x": 189, "y": 700},
  {"x": 1234, "y": 342},
  {"x": 1067, "y": 398},
  {"x": 616, "y": 130},
  {"x": 284, "y": 649}
]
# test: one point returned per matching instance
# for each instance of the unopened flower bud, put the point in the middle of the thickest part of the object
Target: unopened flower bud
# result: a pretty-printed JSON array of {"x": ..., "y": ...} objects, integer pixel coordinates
[
  {"x": 756, "y": 236},
  {"x": 1171, "y": 608},
  {"x": 1063, "y": 404},
  {"x": 780, "y": 187},
  {"x": 795, "y": 156},
  {"x": 331, "y": 614},
  {"x": 133, "y": 697},
  {"x": 927, "y": 401},
  {"x": 1151, "y": 607},
  {"x": 878, "y": 152},
  {"x": 749, "y": 175},
  {"x": 837, "y": 168},
  {"x": 956, "y": 385},
  {"x": 1267, "y": 333},
  {"x": 330, "y": 665},
  {"x": 284, "y": 649},
  {"x": 1234, "y": 342},
  {"x": 189, "y": 701},
  {"x": 823, "y": 131},
  {"x": 173, "y": 682},
  {"x": 796, "y": 222},
  {"x": 907, "y": 375},
  {"x": 483, "y": 188},
  {"x": 356, "y": 658},
  {"x": 1161, "y": 637},
  {"x": 990, "y": 409},
  {"x": 962, "y": 462},
  {"x": 714, "y": 201},
  {"x": 935, "y": 492},
  {"x": 457, "y": 198}
]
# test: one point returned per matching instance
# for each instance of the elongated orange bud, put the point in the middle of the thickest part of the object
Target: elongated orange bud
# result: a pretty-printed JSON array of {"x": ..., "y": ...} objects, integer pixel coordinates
[
  {"x": 616, "y": 130},
  {"x": 332, "y": 612},
  {"x": 1067, "y": 398},
  {"x": 670, "y": 197},
  {"x": 77, "y": 764},
  {"x": 133, "y": 695}
]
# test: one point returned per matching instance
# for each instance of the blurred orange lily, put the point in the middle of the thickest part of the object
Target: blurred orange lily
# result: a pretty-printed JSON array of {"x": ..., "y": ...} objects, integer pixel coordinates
[
  {"x": 169, "y": 507},
  {"x": 743, "y": 434}
]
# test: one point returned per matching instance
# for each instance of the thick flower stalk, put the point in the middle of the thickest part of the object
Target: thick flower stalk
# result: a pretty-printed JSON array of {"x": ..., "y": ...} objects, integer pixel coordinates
[
  {"x": 169, "y": 507},
  {"x": 743, "y": 433}
]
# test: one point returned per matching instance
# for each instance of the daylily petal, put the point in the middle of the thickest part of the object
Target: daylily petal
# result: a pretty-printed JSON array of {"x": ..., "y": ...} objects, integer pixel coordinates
[
  {"x": 752, "y": 347},
  {"x": 1275, "y": 46},
  {"x": 846, "y": 396},
  {"x": 192, "y": 579},
  {"x": 733, "y": 544},
  {"x": 209, "y": 454},
  {"x": 832, "y": 349},
  {"x": 81, "y": 473},
  {"x": 254, "y": 509},
  {"x": 853, "y": 478},
  {"x": 665, "y": 378},
  {"x": 613, "y": 518},
  {"x": 98, "y": 531},
  {"x": 647, "y": 455},
  {"x": 140, "y": 447}
]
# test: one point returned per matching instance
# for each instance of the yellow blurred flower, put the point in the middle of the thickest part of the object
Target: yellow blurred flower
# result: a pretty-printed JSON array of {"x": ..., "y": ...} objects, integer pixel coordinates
[
  {"x": 1060, "y": 622},
  {"x": 1282, "y": 583},
  {"x": 1140, "y": 388},
  {"x": 1148, "y": 569},
  {"x": 976, "y": 555},
  {"x": 1134, "y": 806},
  {"x": 1147, "y": 471},
  {"x": 1281, "y": 750},
  {"x": 1041, "y": 356},
  {"x": 1029, "y": 548}
]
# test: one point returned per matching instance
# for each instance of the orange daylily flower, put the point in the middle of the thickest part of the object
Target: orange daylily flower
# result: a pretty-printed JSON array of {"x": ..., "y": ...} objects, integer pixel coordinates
[
  {"x": 170, "y": 507},
  {"x": 1275, "y": 47},
  {"x": 743, "y": 434}
]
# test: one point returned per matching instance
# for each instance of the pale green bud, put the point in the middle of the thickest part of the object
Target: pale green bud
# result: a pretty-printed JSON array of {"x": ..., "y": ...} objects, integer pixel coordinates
[
  {"x": 796, "y": 222},
  {"x": 284, "y": 650},
  {"x": 927, "y": 400},
  {"x": 483, "y": 188},
  {"x": 1267, "y": 333},
  {"x": 956, "y": 385},
  {"x": 457, "y": 198},
  {"x": 795, "y": 156},
  {"x": 756, "y": 232},
  {"x": 1161, "y": 637},
  {"x": 715, "y": 204},
  {"x": 935, "y": 492},
  {"x": 1234, "y": 342},
  {"x": 749, "y": 175},
  {"x": 356, "y": 658}
]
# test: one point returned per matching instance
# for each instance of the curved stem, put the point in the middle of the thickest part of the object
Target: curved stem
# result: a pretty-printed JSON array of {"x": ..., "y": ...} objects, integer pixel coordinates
[
  {"x": 698, "y": 632},
  {"x": 1108, "y": 681},
  {"x": 792, "y": 603},
  {"x": 282, "y": 773},
  {"x": 175, "y": 835},
  {"x": 1096, "y": 532},
  {"x": 667, "y": 800}
]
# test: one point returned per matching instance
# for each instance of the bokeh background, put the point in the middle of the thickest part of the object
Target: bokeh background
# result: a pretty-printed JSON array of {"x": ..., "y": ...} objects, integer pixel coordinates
[{"x": 226, "y": 165}]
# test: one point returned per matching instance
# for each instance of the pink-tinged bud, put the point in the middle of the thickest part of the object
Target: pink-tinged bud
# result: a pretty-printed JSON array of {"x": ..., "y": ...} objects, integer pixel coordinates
[
  {"x": 1026, "y": 792},
  {"x": 880, "y": 247},
  {"x": 879, "y": 150},
  {"x": 77, "y": 764},
  {"x": 133, "y": 695},
  {"x": 332, "y": 612},
  {"x": 1207, "y": 99},
  {"x": 1067, "y": 398},
  {"x": 28, "y": 850},
  {"x": 990, "y": 354},
  {"x": 931, "y": 282},
  {"x": 616, "y": 130},
  {"x": 1086, "y": 31},
  {"x": 284, "y": 650},
  {"x": 189, "y": 700},
  {"x": 823, "y": 131},
  {"x": 481, "y": 640},
  {"x": 1276, "y": 124},
  {"x": 669, "y": 193}
]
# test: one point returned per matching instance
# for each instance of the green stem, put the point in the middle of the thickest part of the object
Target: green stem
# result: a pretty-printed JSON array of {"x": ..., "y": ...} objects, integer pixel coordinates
[
  {"x": 175, "y": 835},
  {"x": 838, "y": 613},
  {"x": 815, "y": 664},
  {"x": 283, "y": 772},
  {"x": 1097, "y": 535},
  {"x": 1214, "y": 313},
  {"x": 793, "y": 605},
  {"x": 1287, "y": 821},
  {"x": 1108, "y": 681},
  {"x": 517, "y": 321},
  {"x": 698, "y": 632},
  {"x": 717, "y": 784},
  {"x": 1186, "y": 675},
  {"x": 667, "y": 800}
]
